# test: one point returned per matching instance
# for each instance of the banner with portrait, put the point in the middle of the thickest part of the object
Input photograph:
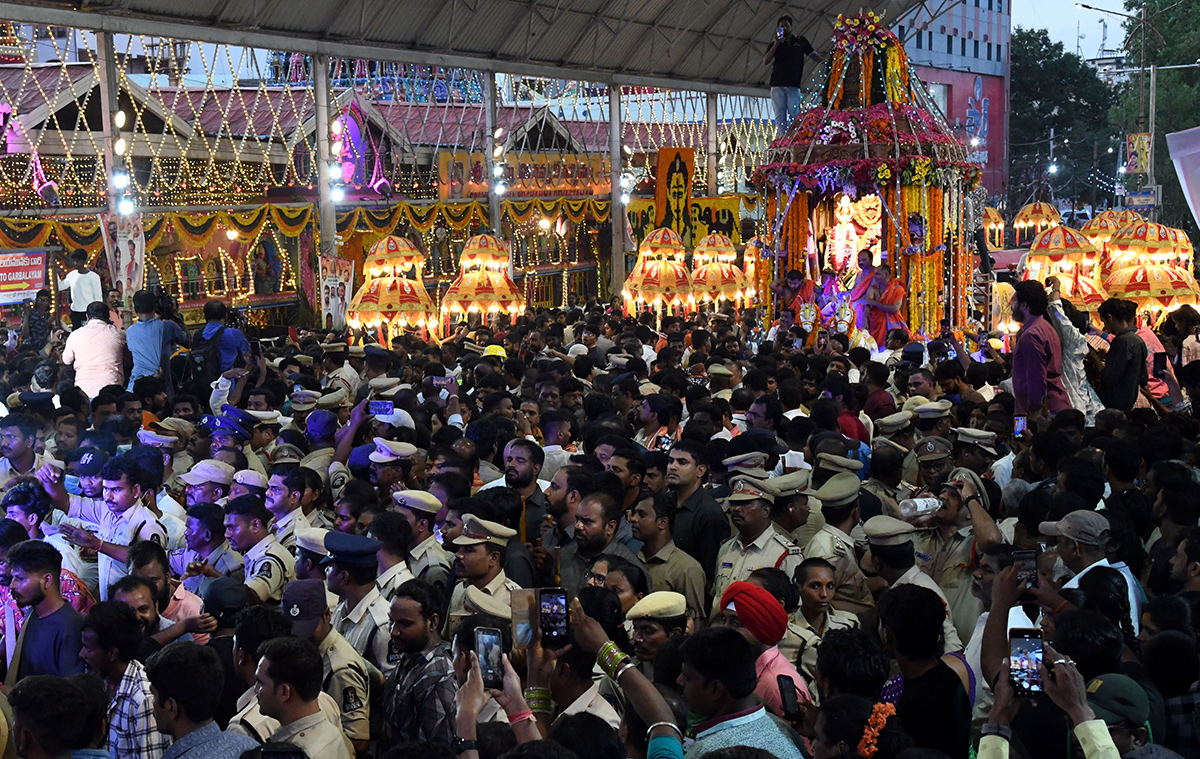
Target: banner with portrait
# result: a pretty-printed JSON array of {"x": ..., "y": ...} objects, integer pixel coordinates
[
  {"x": 125, "y": 247},
  {"x": 1137, "y": 159},
  {"x": 673, "y": 189},
  {"x": 335, "y": 288},
  {"x": 706, "y": 215}
]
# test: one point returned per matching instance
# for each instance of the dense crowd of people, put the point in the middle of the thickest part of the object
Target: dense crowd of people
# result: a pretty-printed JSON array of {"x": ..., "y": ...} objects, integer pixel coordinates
[{"x": 585, "y": 534}]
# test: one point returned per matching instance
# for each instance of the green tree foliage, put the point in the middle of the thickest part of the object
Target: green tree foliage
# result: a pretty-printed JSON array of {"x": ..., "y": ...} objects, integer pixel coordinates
[
  {"x": 1052, "y": 88},
  {"x": 1174, "y": 38}
]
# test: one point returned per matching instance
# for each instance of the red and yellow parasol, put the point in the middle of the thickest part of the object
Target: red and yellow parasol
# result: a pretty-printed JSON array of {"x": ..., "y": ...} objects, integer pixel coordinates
[
  {"x": 1060, "y": 243},
  {"x": 392, "y": 256},
  {"x": 1143, "y": 242},
  {"x": 660, "y": 284},
  {"x": 715, "y": 276},
  {"x": 993, "y": 224},
  {"x": 391, "y": 302},
  {"x": 1035, "y": 217},
  {"x": 483, "y": 284},
  {"x": 1083, "y": 293},
  {"x": 663, "y": 242},
  {"x": 1151, "y": 285}
]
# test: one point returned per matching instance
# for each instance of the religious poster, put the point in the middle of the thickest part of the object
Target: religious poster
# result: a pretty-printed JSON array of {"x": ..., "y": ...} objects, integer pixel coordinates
[
  {"x": 1138, "y": 155},
  {"x": 721, "y": 215},
  {"x": 673, "y": 190},
  {"x": 336, "y": 290},
  {"x": 125, "y": 246}
]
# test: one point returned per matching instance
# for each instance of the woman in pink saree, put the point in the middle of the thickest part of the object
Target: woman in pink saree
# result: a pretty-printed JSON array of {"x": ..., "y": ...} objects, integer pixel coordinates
[{"x": 885, "y": 302}]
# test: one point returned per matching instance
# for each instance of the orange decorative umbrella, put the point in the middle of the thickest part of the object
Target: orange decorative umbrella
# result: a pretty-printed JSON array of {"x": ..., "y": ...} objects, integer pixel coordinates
[
  {"x": 993, "y": 224},
  {"x": 390, "y": 301},
  {"x": 488, "y": 251},
  {"x": 482, "y": 291},
  {"x": 1101, "y": 229},
  {"x": 1062, "y": 244},
  {"x": 1183, "y": 244},
  {"x": 392, "y": 256},
  {"x": 1127, "y": 216},
  {"x": 717, "y": 280},
  {"x": 1036, "y": 216},
  {"x": 1151, "y": 284},
  {"x": 660, "y": 283},
  {"x": 715, "y": 247},
  {"x": 662, "y": 243},
  {"x": 1085, "y": 294}
]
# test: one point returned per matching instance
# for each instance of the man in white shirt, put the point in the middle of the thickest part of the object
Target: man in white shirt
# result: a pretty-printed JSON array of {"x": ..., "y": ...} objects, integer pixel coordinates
[
  {"x": 85, "y": 287},
  {"x": 1081, "y": 538}
]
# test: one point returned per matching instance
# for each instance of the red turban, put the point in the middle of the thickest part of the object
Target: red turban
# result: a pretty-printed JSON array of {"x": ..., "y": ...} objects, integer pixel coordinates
[{"x": 759, "y": 611}]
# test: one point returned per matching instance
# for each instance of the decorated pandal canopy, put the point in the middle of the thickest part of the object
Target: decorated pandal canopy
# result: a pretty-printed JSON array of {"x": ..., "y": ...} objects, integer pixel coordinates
[
  {"x": 389, "y": 300},
  {"x": 715, "y": 275},
  {"x": 483, "y": 284},
  {"x": 659, "y": 278},
  {"x": 876, "y": 131},
  {"x": 1034, "y": 218},
  {"x": 993, "y": 224}
]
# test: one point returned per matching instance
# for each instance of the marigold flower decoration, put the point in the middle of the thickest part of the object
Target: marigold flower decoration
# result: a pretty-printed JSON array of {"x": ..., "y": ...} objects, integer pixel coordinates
[
  {"x": 879, "y": 717},
  {"x": 857, "y": 34}
]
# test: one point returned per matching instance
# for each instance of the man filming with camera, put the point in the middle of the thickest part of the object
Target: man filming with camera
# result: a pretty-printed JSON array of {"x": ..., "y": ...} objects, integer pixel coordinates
[{"x": 786, "y": 59}]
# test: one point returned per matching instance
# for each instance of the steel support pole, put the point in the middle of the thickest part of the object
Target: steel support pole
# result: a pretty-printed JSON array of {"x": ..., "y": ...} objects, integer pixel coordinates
[
  {"x": 1153, "y": 135},
  {"x": 711, "y": 135},
  {"x": 328, "y": 214},
  {"x": 617, "y": 217},
  {"x": 489, "y": 147},
  {"x": 106, "y": 72}
]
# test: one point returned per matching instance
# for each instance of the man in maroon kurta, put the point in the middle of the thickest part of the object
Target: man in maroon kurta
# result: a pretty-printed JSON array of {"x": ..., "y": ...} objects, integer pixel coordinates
[{"x": 1037, "y": 358}]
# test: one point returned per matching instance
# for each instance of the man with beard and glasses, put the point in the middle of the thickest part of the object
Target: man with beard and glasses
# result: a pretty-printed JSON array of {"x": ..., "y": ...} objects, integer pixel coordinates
[
  {"x": 50, "y": 638},
  {"x": 123, "y": 518},
  {"x": 419, "y": 697},
  {"x": 523, "y": 461},
  {"x": 175, "y": 602},
  {"x": 596, "y": 523}
]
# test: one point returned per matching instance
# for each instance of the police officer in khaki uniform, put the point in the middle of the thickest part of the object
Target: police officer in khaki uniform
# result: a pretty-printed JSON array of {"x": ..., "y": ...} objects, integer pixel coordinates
[
  {"x": 813, "y": 620},
  {"x": 269, "y": 566},
  {"x": 756, "y": 543},
  {"x": 304, "y": 402},
  {"x": 345, "y": 671},
  {"x": 479, "y": 562},
  {"x": 426, "y": 557},
  {"x": 361, "y": 615},
  {"x": 839, "y": 503},
  {"x": 892, "y": 557},
  {"x": 791, "y": 511}
]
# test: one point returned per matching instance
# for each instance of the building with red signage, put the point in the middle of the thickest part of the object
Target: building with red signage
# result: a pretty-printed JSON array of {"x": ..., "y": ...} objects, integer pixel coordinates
[{"x": 961, "y": 51}]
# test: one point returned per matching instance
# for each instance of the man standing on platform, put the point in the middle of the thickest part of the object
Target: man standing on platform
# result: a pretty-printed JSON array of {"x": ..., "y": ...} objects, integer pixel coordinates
[
  {"x": 786, "y": 59},
  {"x": 85, "y": 287}
]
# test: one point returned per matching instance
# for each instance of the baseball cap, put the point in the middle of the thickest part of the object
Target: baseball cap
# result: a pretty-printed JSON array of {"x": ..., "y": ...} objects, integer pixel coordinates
[
  {"x": 88, "y": 461},
  {"x": 208, "y": 470},
  {"x": 321, "y": 424},
  {"x": 304, "y": 604},
  {"x": 1118, "y": 699},
  {"x": 222, "y": 594},
  {"x": 1087, "y": 527}
]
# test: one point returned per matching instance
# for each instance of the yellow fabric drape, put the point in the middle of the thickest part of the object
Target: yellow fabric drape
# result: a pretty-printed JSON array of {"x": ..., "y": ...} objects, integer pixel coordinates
[
  {"x": 194, "y": 230},
  {"x": 290, "y": 221},
  {"x": 247, "y": 223},
  {"x": 23, "y": 233},
  {"x": 82, "y": 234}
]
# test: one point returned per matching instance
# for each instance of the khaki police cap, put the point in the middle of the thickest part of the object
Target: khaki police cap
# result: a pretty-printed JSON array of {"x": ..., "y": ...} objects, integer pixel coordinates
[
  {"x": 833, "y": 463},
  {"x": 978, "y": 438},
  {"x": 932, "y": 448},
  {"x": 476, "y": 531},
  {"x": 336, "y": 399},
  {"x": 893, "y": 422},
  {"x": 838, "y": 490},
  {"x": 888, "y": 531},
  {"x": 389, "y": 451},
  {"x": 934, "y": 410},
  {"x": 913, "y": 403},
  {"x": 790, "y": 484},
  {"x": 661, "y": 604},
  {"x": 744, "y": 488},
  {"x": 417, "y": 500},
  {"x": 312, "y": 539},
  {"x": 478, "y": 601}
]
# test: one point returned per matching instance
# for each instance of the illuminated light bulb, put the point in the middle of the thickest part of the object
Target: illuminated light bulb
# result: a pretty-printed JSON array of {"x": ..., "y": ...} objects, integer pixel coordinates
[
  {"x": 336, "y": 127},
  {"x": 120, "y": 145},
  {"x": 120, "y": 180},
  {"x": 624, "y": 198},
  {"x": 501, "y": 188},
  {"x": 231, "y": 234},
  {"x": 125, "y": 206},
  {"x": 544, "y": 223},
  {"x": 337, "y": 194},
  {"x": 498, "y": 171},
  {"x": 498, "y": 151},
  {"x": 119, "y": 119},
  {"x": 336, "y": 147},
  {"x": 496, "y": 134}
]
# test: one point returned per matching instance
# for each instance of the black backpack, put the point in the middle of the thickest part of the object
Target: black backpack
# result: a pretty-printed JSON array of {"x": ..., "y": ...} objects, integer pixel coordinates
[{"x": 204, "y": 360}]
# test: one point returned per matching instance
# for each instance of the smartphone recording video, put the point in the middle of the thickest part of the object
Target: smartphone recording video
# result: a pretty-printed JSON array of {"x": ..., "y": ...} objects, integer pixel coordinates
[{"x": 1024, "y": 656}]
